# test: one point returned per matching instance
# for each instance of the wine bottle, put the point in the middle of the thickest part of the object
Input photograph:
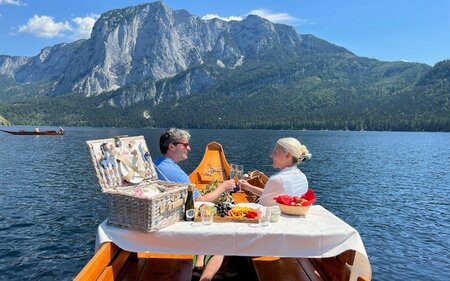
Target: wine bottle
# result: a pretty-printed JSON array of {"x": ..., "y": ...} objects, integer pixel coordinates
[{"x": 189, "y": 206}]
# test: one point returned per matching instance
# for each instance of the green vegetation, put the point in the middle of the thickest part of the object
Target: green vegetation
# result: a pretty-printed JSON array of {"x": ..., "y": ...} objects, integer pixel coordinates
[
  {"x": 329, "y": 90},
  {"x": 356, "y": 94},
  {"x": 3, "y": 121},
  {"x": 71, "y": 110}
]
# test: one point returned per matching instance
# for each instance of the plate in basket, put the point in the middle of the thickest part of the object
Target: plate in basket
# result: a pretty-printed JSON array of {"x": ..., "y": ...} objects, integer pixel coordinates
[{"x": 128, "y": 173}]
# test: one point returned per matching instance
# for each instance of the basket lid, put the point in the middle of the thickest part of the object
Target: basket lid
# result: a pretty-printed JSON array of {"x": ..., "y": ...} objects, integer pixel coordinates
[{"x": 121, "y": 161}]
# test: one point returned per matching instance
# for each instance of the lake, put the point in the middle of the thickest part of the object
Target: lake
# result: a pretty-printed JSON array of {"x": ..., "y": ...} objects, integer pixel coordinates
[{"x": 393, "y": 187}]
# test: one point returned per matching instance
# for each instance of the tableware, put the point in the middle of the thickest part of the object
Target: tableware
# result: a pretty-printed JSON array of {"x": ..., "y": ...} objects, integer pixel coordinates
[
  {"x": 127, "y": 170},
  {"x": 207, "y": 215},
  {"x": 236, "y": 173},
  {"x": 275, "y": 214},
  {"x": 250, "y": 205},
  {"x": 264, "y": 216},
  {"x": 197, "y": 204}
]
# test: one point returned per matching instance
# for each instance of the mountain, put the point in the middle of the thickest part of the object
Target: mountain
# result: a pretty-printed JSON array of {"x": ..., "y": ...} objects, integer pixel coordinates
[
  {"x": 150, "y": 42},
  {"x": 144, "y": 61}
]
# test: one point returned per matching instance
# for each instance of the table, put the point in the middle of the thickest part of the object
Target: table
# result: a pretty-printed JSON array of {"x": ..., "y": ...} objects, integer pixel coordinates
[{"x": 318, "y": 234}]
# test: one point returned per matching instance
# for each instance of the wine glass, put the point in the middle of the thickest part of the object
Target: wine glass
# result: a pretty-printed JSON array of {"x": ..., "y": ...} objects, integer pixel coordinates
[
  {"x": 236, "y": 173},
  {"x": 239, "y": 172}
]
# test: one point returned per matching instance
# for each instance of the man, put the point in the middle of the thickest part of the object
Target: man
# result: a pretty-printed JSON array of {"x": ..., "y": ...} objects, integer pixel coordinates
[{"x": 174, "y": 146}]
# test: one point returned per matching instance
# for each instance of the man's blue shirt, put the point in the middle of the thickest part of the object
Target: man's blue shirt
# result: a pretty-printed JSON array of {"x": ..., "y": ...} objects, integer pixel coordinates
[{"x": 168, "y": 170}]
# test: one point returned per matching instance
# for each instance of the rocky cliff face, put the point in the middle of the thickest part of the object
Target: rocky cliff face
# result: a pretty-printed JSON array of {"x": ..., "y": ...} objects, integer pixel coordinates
[
  {"x": 51, "y": 63},
  {"x": 10, "y": 65},
  {"x": 148, "y": 43}
]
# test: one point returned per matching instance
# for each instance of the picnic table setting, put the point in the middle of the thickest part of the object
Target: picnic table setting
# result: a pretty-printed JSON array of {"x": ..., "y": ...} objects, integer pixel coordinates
[
  {"x": 318, "y": 234},
  {"x": 147, "y": 215}
]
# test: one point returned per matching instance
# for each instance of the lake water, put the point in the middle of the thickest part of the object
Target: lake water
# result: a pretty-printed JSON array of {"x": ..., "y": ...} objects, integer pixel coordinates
[{"x": 393, "y": 187}]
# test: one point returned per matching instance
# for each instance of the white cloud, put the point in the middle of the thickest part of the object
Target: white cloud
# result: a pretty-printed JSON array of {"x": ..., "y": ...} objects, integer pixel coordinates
[
  {"x": 12, "y": 2},
  {"x": 275, "y": 17},
  {"x": 212, "y": 16},
  {"x": 264, "y": 13},
  {"x": 84, "y": 26},
  {"x": 45, "y": 26}
]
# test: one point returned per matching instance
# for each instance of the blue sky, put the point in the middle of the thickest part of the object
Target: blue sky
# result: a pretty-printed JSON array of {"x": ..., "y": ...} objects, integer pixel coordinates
[{"x": 391, "y": 30}]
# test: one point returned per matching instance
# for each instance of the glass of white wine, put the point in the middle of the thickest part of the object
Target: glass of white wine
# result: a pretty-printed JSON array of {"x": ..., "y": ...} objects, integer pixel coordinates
[{"x": 236, "y": 173}]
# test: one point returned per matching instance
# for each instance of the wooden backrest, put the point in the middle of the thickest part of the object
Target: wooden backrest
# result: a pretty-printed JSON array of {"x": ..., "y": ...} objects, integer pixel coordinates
[{"x": 213, "y": 166}]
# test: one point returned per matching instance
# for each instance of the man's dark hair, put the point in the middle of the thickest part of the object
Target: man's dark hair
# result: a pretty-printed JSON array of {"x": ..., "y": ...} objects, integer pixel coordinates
[{"x": 172, "y": 135}]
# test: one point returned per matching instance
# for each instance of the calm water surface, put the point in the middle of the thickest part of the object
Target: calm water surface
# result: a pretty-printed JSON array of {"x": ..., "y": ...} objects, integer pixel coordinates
[{"x": 392, "y": 187}]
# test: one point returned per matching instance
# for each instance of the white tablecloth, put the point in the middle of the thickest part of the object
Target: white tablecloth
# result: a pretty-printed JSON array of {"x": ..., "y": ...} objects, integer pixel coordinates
[{"x": 319, "y": 234}]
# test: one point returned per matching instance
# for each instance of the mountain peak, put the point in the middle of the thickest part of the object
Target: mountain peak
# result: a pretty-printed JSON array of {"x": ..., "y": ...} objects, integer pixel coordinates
[
  {"x": 438, "y": 73},
  {"x": 150, "y": 42}
]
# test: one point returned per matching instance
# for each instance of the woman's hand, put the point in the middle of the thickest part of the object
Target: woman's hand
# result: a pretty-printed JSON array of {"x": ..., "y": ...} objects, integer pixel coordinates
[{"x": 243, "y": 184}]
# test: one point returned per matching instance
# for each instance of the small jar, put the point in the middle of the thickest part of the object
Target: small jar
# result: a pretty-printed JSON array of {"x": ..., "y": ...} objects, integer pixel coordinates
[{"x": 275, "y": 213}]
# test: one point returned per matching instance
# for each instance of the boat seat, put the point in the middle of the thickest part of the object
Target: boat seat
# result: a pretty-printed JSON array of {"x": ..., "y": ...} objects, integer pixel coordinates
[
  {"x": 113, "y": 263},
  {"x": 349, "y": 265},
  {"x": 285, "y": 269},
  {"x": 161, "y": 267}
]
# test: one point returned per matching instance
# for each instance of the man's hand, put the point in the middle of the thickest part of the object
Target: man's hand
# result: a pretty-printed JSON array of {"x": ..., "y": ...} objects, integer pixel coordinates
[{"x": 227, "y": 185}]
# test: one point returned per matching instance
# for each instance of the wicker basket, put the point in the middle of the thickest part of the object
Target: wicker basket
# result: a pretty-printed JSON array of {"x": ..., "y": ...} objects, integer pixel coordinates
[
  {"x": 293, "y": 210},
  {"x": 137, "y": 200}
]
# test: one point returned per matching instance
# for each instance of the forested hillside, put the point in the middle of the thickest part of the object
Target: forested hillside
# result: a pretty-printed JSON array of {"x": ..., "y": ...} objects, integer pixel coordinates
[
  {"x": 310, "y": 102},
  {"x": 198, "y": 73}
]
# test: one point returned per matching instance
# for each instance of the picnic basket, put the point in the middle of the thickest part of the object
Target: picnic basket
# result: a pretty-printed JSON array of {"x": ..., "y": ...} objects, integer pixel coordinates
[{"x": 137, "y": 200}]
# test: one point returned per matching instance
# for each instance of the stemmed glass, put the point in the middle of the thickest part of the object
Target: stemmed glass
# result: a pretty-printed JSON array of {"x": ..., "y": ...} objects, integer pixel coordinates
[{"x": 236, "y": 173}]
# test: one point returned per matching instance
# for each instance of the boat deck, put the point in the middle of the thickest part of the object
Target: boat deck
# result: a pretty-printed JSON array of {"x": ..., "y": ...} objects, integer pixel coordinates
[
  {"x": 154, "y": 268},
  {"x": 299, "y": 269},
  {"x": 113, "y": 263},
  {"x": 125, "y": 266}
]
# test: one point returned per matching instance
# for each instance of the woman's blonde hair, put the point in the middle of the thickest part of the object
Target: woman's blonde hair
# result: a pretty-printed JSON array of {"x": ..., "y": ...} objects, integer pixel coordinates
[{"x": 298, "y": 151}]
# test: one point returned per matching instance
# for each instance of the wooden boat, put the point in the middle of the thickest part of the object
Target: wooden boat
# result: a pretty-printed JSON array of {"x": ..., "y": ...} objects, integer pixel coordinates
[
  {"x": 113, "y": 263},
  {"x": 36, "y": 132}
]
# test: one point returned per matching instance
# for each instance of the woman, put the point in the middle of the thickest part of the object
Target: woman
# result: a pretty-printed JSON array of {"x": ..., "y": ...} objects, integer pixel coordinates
[{"x": 288, "y": 152}]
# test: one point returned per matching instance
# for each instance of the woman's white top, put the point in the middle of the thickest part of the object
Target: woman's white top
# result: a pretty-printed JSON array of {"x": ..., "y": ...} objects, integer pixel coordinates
[{"x": 290, "y": 181}]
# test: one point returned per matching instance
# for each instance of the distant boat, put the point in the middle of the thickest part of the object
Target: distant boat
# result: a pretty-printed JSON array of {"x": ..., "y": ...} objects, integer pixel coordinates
[{"x": 36, "y": 132}]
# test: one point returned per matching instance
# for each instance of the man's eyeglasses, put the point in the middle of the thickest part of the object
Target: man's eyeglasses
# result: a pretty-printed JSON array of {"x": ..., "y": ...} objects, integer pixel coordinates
[{"x": 185, "y": 144}]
